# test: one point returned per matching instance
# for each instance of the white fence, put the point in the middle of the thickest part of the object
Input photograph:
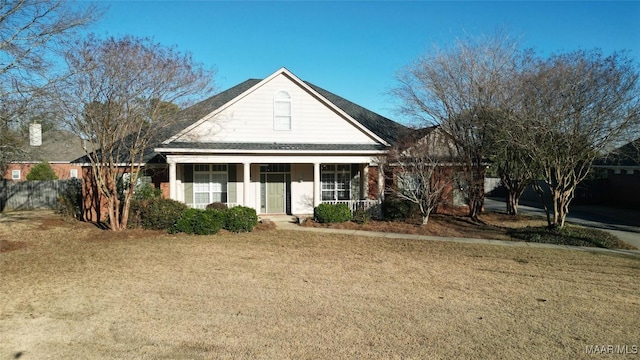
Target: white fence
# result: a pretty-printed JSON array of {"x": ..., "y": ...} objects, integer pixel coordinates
[
  {"x": 204, "y": 206},
  {"x": 373, "y": 206}
]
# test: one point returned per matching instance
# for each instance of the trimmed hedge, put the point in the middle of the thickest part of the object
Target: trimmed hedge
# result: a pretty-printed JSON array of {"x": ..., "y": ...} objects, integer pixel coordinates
[
  {"x": 199, "y": 222},
  {"x": 155, "y": 214},
  {"x": 175, "y": 217},
  {"x": 395, "y": 209},
  {"x": 240, "y": 219},
  {"x": 361, "y": 216},
  {"x": 332, "y": 213},
  {"x": 217, "y": 206}
]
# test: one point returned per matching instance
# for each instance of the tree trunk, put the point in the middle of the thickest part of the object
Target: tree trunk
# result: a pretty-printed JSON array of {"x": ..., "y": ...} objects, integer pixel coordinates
[
  {"x": 476, "y": 193},
  {"x": 540, "y": 192},
  {"x": 512, "y": 202}
]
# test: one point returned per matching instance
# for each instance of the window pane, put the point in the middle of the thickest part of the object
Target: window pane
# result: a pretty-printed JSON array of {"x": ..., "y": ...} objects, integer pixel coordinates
[
  {"x": 282, "y": 123},
  {"x": 327, "y": 195},
  {"x": 343, "y": 184},
  {"x": 219, "y": 182},
  {"x": 201, "y": 167},
  {"x": 283, "y": 108},
  {"x": 282, "y": 95},
  {"x": 218, "y": 197},
  {"x": 201, "y": 198}
]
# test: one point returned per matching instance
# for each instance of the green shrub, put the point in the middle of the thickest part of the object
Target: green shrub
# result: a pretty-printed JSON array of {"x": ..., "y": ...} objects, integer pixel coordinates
[
  {"x": 42, "y": 171},
  {"x": 70, "y": 199},
  {"x": 240, "y": 219},
  {"x": 146, "y": 191},
  {"x": 217, "y": 206},
  {"x": 395, "y": 209},
  {"x": 361, "y": 216},
  {"x": 569, "y": 235},
  {"x": 199, "y": 222},
  {"x": 155, "y": 214},
  {"x": 332, "y": 213}
]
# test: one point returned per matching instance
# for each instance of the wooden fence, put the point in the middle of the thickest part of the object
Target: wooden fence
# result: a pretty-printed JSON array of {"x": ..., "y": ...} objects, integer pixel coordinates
[{"x": 29, "y": 195}]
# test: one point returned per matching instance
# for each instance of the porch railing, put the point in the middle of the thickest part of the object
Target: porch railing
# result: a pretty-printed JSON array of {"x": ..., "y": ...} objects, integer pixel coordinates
[
  {"x": 204, "y": 206},
  {"x": 373, "y": 206}
]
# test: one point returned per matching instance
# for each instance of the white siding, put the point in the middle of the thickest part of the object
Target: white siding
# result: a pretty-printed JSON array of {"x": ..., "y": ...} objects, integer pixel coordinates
[{"x": 250, "y": 119}]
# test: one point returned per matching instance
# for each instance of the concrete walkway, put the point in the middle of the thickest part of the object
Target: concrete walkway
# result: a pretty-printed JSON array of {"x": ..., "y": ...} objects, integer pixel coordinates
[{"x": 287, "y": 222}]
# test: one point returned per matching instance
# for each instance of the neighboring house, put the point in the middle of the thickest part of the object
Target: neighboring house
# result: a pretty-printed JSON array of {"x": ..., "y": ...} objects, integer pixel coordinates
[
  {"x": 622, "y": 168},
  {"x": 419, "y": 151},
  {"x": 278, "y": 145},
  {"x": 58, "y": 147}
]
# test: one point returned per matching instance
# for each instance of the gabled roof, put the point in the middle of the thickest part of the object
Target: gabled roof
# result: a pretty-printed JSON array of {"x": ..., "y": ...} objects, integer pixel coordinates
[
  {"x": 379, "y": 126},
  {"x": 387, "y": 130},
  {"x": 57, "y": 146},
  {"x": 627, "y": 155}
]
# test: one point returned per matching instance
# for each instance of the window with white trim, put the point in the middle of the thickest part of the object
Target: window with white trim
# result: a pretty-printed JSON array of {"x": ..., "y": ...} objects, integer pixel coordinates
[
  {"x": 408, "y": 182},
  {"x": 209, "y": 184},
  {"x": 73, "y": 173},
  {"x": 282, "y": 111},
  {"x": 15, "y": 174},
  {"x": 336, "y": 182}
]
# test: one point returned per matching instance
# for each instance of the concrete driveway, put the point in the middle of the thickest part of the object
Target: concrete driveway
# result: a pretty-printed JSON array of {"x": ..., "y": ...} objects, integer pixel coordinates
[{"x": 624, "y": 224}]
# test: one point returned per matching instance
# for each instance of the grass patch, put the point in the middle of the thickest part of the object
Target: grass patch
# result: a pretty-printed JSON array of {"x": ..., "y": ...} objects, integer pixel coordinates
[
  {"x": 76, "y": 289},
  {"x": 569, "y": 235}
]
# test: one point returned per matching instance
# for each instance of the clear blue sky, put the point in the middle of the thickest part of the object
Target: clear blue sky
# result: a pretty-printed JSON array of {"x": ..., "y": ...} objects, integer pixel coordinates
[{"x": 354, "y": 48}]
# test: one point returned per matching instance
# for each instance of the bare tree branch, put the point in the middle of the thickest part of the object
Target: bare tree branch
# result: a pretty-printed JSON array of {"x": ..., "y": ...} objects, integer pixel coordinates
[{"x": 118, "y": 98}]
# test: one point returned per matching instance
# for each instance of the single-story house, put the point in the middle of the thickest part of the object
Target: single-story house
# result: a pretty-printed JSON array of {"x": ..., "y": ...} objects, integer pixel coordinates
[
  {"x": 57, "y": 147},
  {"x": 279, "y": 145}
]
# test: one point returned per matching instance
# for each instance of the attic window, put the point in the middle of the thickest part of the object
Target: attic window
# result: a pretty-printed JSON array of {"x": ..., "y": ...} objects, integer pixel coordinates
[{"x": 282, "y": 111}]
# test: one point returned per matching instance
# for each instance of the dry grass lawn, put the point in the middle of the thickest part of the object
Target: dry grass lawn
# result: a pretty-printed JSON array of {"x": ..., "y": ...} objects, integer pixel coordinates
[{"x": 69, "y": 290}]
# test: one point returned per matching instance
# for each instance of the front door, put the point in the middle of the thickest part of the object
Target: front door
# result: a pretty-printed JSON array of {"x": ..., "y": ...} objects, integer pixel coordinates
[
  {"x": 275, "y": 193},
  {"x": 275, "y": 188}
]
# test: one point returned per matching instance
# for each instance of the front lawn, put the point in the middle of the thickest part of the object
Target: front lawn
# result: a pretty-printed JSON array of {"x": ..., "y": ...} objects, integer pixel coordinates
[
  {"x": 71, "y": 290},
  {"x": 497, "y": 226}
]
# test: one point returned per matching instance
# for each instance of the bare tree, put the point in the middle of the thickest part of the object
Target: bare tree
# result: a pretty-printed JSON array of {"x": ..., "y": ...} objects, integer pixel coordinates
[
  {"x": 422, "y": 174},
  {"x": 32, "y": 35},
  {"x": 118, "y": 98},
  {"x": 579, "y": 105},
  {"x": 460, "y": 89}
]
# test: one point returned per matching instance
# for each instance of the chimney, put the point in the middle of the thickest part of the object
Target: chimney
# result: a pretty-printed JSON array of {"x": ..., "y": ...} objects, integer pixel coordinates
[{"x": 35, "y": 134}]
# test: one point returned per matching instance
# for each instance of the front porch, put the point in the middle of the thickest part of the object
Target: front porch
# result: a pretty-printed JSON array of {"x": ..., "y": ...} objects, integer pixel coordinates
[{"x": 275, "y": 188}]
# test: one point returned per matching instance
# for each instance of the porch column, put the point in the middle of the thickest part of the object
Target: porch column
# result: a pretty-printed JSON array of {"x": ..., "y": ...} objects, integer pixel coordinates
[
  {"x": 172, "y": 180},
  {"x": 246, "y": 178},
  {"x": 316, "y": 184},
  {"x": 364, "y": 181},
  {"x": 380, "y": 182}
]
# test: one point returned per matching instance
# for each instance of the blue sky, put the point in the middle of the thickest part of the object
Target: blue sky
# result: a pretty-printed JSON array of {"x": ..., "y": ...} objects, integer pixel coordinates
[{"x": 355, "y": 48}]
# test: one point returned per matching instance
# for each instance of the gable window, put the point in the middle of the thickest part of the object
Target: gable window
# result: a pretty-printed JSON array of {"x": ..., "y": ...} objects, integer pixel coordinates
[
  {"x": 15, "y": 174},
  {"x": 336, "y": 182},
  {"x": 209, "y": 184},
  {"x": 282, "y": 111}
]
